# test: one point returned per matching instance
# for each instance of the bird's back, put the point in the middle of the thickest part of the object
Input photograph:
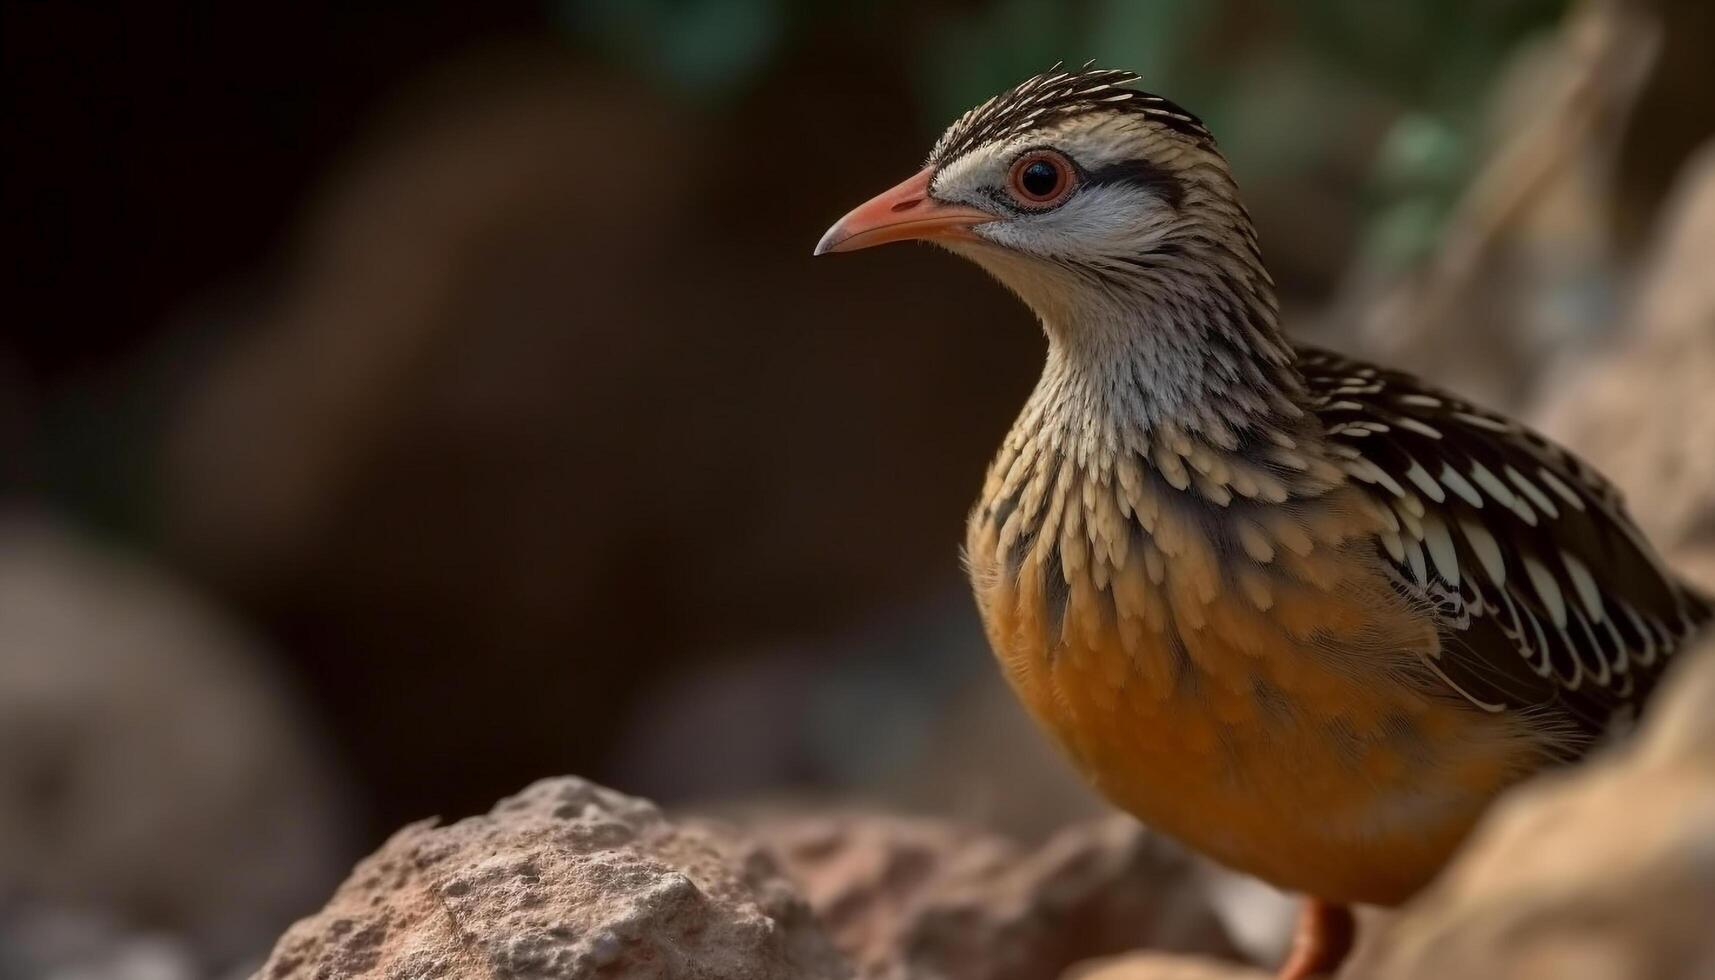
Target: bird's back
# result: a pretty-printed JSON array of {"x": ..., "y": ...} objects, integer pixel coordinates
[{"x": 1549, "y": 597}]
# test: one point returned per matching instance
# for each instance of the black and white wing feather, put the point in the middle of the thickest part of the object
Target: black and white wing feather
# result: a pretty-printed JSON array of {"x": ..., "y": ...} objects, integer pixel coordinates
[{"x": 1549, "y": 595}]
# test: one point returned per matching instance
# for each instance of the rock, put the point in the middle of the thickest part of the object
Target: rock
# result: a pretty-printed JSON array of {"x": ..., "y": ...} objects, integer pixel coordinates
[
  {"x": 564, "y": 880},
  {"x": 1644, "y": 411},
  {"x": 64, "y": 944},
  {"x": 912, "y": 897},
  {"x": 154, "y": 774},
  {"x": 1155, "y": 966},
  {"x": 568, "y": 879},
  {"x": 1606, "y": 872}
]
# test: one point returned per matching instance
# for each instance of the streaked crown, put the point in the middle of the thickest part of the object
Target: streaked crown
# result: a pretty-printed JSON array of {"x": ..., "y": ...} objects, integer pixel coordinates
[{"x": 1056, "y": 95}]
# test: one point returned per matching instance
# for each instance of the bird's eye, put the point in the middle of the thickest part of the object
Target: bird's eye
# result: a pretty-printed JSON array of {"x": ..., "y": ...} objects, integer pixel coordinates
[{"x": 1041, "y": 178}]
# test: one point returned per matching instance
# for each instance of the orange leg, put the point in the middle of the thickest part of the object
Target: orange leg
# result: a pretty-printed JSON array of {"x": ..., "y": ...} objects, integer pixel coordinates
[{"x": 1321, "y": 942}]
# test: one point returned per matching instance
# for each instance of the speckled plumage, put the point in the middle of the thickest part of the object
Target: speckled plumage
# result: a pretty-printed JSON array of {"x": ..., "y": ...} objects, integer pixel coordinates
[
  {"x": 1287, "y": 652},
  {"x": 1304, "y": 613},
  {"x": 1042, "y": 99}
]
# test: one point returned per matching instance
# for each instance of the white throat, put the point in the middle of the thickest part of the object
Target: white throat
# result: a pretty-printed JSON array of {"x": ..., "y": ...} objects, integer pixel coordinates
[{"x": 1185, "y": 344}]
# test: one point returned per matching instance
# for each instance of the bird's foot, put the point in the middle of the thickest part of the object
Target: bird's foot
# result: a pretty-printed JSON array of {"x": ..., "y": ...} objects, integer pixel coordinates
[{"x": 1321, "y": 942}]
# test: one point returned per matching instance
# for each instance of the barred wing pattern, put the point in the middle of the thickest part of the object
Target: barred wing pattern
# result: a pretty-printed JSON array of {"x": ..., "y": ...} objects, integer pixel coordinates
[{"x": 1549, "y": 596}]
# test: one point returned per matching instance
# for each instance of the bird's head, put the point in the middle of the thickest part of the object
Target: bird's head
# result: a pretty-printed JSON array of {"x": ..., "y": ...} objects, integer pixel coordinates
[{"x": 1072, "y": 189}]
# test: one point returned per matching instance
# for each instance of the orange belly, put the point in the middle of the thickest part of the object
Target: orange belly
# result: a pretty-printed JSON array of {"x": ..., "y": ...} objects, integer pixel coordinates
[{"x": 1253, "y": 745}]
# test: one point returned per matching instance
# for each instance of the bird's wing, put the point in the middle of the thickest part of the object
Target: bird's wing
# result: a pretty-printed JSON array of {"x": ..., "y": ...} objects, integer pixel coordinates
[{"x": 1549, "y": 595}]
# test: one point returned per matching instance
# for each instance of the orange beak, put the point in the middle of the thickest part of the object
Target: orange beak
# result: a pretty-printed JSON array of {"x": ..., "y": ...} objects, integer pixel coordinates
[{"x": 900, "y": 214}]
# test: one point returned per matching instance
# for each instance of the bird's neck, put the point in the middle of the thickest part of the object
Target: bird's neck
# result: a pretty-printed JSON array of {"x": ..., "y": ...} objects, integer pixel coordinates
[{"x": 1190, "y": 347}]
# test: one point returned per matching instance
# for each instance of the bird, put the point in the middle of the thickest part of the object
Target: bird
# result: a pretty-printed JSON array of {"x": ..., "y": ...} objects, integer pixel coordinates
[{"x": 1304, "y": 613}]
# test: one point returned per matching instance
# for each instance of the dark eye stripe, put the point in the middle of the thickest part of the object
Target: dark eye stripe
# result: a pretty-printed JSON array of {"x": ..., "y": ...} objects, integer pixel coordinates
[{"x": 1140, "y": 173}]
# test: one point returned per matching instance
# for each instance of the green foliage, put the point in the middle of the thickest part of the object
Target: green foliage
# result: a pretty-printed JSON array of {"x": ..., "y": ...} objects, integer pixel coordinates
[
  {"x": 1283, "y": 83},
  {"x": 1437, "y": 61},
  {"x": 1424, "y": 52},
  {"x": 704, "y": 48},
  {"x": 1420, "y": 172}
]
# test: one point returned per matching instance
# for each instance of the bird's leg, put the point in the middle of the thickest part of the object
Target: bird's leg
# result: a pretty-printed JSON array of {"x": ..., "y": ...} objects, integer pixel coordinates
[{"x": 1321, "y": 942}]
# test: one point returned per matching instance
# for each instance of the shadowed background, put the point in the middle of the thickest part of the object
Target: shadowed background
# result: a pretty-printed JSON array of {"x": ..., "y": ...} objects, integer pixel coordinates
[{"x": 397, "y": 406}]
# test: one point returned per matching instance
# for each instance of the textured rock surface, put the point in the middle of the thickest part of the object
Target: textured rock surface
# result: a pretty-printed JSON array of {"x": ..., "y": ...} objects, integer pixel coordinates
[
  {"x": 564, "y": 880},
  {"x": 1607, "y": 873},
  {"x": 1644, "y": 412},
  {"x": 908, "y": 898},
  {"x": 153, "y": 775}
]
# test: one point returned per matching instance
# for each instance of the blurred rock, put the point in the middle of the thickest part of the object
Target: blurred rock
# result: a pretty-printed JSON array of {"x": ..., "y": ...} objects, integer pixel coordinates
[
  {"x": 1643, "y": 410},
  {"x": 564, "y": 880},
  {"x": 1604, "y": 873},
  {"x": 983, "y": 761},
  {"x": 154, "y": 773},
  {"x": 1671, "y": 120},
  {"x": 1260, "y": 918},
  {"x": 953, "y": 742},
  {"x": 57, "y": 944},
  {"x": 919, "y": 898},
  {"x": 501, "y": 403},
  {"x": 1155, "y": 966}
]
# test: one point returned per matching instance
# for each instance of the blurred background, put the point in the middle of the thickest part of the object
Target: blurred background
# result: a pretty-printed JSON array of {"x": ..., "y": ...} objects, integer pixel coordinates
[{"x": 401, "y": 404}]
